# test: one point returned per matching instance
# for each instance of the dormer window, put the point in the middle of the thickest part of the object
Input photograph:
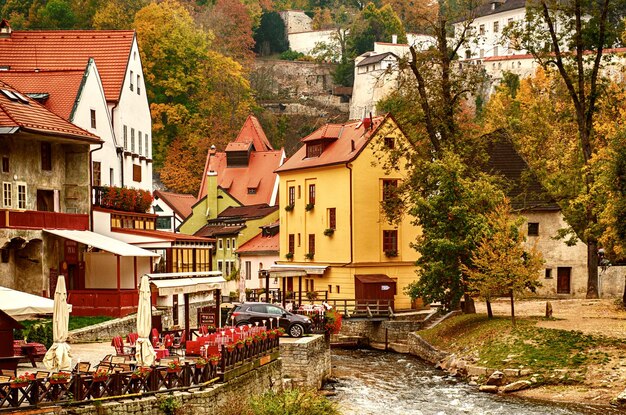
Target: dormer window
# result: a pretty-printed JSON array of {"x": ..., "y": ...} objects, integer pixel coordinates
[
  {"x": 314, "y": 150},
  {"x": 251, "y": 190}
]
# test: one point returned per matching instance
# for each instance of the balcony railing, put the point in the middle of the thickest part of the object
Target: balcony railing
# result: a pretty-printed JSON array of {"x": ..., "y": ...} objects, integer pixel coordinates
[
  {"x": 104, "y": 302},
  {"x": 33, "y": 219}
]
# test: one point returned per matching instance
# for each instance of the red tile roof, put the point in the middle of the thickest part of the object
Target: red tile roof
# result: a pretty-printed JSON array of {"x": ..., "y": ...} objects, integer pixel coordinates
[
  {"x": 210, "y": 231},
  {"x": 62, "y": 85},
  {"x": 33, "y": 117},
  {"x": 163, "y": 235},
  {"x": 71, "y": 49},
  {"x": 180, "y": 203},
  {"x": 252, "y": 132},
  {"x": 261, "y": 244},
  {"x": 351, "y": 138},
  {"x": 247, "y": 212}
]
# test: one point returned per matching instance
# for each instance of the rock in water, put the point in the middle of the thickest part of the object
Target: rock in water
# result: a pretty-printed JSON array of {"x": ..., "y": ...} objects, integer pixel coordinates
[
  {"x": 496, "y": 378},
  {"x": 488, "y": 388},
  {"x": 515, "y": 386},
  {"x": 548, "y": 309}
]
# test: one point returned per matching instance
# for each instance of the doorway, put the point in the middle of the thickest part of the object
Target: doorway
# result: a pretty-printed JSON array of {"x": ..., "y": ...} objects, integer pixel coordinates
[
  {"x": 563, "y": 280},
  {"x": 45, "y": 200}
]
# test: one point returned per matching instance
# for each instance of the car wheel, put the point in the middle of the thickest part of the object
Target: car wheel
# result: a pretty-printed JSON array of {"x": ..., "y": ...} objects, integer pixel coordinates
[
  {"x": 296, "y": 330},
  {"x": 242, "y": 323}
]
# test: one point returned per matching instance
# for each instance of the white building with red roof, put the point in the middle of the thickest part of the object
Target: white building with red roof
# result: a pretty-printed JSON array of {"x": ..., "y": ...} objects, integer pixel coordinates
[
  {"x": 172, "y": 209},
  {"x": 116, "y": 55}
]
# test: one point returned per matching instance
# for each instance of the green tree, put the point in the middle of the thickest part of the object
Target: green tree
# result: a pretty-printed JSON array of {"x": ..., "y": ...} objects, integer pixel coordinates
[
  {"x": 117, "y": 14},
  {"x": 570, "y": 38},
  {"x": 271, "y": 37},
  {"x": 501, "y": 263},
  {"x": 56, "y": 14}
]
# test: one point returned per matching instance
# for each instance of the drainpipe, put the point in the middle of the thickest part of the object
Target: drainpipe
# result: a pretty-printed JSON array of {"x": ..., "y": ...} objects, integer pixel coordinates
[
  {"x": 91, "y": 185},
  {"x": 349, "y": 167}
]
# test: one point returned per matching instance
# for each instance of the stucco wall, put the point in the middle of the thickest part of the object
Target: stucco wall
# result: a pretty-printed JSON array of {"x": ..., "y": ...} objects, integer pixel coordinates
[
  {"x": 306, "y": 361},
  {"x": 305, "y": 42}
]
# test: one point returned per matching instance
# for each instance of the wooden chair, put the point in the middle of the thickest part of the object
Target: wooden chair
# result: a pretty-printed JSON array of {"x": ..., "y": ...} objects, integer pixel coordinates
[
  {"x": 116, "y": 360},
  {"x": 5, "y": 379},
  {"x": 8, "y": 372},
  {"x": 42, "y": 375},
  {"x": 82, "y": 367}
]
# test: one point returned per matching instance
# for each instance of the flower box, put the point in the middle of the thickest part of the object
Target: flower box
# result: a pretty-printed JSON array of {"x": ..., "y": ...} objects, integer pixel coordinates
[
  {"x": 100, "y": 378},
  {"x": 58, "y": 381},
  {"x": 173, "y": 370},
  {"x": 17, "y": 385}
]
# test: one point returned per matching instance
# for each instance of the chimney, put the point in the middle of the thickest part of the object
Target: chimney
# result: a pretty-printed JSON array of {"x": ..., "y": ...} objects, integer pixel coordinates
[
  {"x": 211, "y": 195},
  {"x": 394, "y": 39},
  {"x": 366, "y": 123}
]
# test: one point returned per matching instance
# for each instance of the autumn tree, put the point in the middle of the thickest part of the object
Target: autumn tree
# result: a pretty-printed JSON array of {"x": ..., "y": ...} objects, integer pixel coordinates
[
  {"x": 117, "y": 14},
  {"x": 570, "y": 38},
  {"x": 502, "y": 264}
]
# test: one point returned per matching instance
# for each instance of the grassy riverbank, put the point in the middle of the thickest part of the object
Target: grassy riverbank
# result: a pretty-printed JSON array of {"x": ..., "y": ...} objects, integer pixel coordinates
[{"x": 580, "y": 367}]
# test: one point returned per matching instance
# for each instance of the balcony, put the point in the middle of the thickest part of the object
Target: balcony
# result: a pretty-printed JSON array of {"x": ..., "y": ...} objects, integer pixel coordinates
[
  {"x": 105, "y": 302},
  {"x": 33, "y": 219}
]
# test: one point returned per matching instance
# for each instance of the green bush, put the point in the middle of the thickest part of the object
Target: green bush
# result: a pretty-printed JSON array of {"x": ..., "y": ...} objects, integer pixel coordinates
[
  {"x": 291, "y": 55},
  {"x": 293, "y": 402},
  {"x": 40, "y": 333}
]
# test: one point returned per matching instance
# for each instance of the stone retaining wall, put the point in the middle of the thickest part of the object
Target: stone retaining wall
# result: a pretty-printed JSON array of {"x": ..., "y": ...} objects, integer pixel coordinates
[
  {"x": 206, "y": 402},
  {"x": 424, "y": 350},
  {"x": 375, "y": 331},
  {"x": 105, "y": 330},
  {"x": 306, "y": 361}
]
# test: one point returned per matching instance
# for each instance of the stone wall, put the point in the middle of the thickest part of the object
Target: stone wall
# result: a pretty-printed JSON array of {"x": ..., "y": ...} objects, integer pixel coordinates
[
  {"x": 424, "y": 350},
  {"x": 207, "y": 402},
  {"x": 375, "y": 331},
  {"x": 277, "y": 79},
  {"x": 105, "y": 330},
  {"x": 306, "y": 361}
]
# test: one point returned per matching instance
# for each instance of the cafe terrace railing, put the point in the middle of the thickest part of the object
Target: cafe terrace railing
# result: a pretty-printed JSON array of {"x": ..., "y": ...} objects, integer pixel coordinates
[{"x": 80, "y": 388}]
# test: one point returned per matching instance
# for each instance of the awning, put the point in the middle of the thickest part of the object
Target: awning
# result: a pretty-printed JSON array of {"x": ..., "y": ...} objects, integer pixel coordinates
[
  {"x": 374, "y": 279},
  {"x": 103, "y": 242},
  {"x": 187, "y": 282},
  {"x": 283, "y": 271},
  {"x": 18, "y": 303}
]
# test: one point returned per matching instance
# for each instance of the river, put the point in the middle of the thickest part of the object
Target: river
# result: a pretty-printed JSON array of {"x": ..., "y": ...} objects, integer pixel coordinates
[{"x": 377, "y": 383}]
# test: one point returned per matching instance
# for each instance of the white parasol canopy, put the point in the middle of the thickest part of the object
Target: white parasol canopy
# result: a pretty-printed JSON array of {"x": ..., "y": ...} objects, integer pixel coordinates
[
  {"x": 145, "y": 354},
  {"x": 18, "y": 303},
  {"x": 58, "y": 356}
]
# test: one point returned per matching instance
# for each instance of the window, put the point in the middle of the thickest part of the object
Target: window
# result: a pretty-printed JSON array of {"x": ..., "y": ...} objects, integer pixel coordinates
[
  {"x": 138, "y": 87},
  {"x": 164, "y": 222},
  {"x": 131, "y": 80},
  {"x": 132, "y": 140},
  {"x": 220, "y": 265},
  {"x": 533, "y": 229},
  {"x": 248, "y": 270},
  {"x": 495, "y": 51},
  {"x": 5, "y": 164},
  {"x": 220, "y": 244},
  {"x": 292, "y": 196},
  {"x": 332, "y": 218},
  {"x": 312, "y": 194},
  {"x": 548, "y": 273},
  {"x": 125, "y": 138},
  {"x": 7, "y": 194},
  {"x": 509, "y": 22},
  {"x": 313, "y": 150},
  {"x": 46, "y": 156},
  {"x": 390, "y": 241},
  {"x": 312, "y": 244},
  {"x": 147, "y": 147},
  {"x": 481, "y": 29},
  {"x": 390, "y": 143},
  {"x": 111, "y": 177},
  {"x": 496, "y": 27},
  {"x": 292, "y": 243},
  {"x": 234, "y": 243},
  {"x": 390, "y": 189},
  {"x": 92, "y": 114},
  {"x": 468, "y": 54},
  {"x": 299, "y": 240},
  {"x": 21, "y": 196},
  {"x": 97, "y": 175},
  {"x": 139, "y": 142},
  {"x": 337, "y": 289},
  {"x": 251, "y": 190},
  {"x": 227, "y": 243},
  {"x": 136, "y": 172},
  {"x": 330, "y": 289}
]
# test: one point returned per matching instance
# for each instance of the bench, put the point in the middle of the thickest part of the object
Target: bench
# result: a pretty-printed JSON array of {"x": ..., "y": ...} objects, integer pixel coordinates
[{"x": 29, "y": 352}]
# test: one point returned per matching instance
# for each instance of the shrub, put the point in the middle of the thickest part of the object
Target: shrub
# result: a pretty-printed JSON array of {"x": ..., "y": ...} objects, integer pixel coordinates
[
  {"x": 329, "y": 232},
  {"x": 293, "y": 402},
  {"x": 333, "y": 321},
  {"x": 291, "y": 55},
  {"x": 40, "y": 333}
]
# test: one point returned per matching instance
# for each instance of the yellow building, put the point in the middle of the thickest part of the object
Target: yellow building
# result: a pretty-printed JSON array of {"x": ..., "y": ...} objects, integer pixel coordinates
[{"x": 334, "y": 236}]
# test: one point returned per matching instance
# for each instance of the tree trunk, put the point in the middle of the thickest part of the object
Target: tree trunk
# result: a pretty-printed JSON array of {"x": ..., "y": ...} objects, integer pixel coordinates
[
  {"x": 512, "y": 307},
  {"x": 592, "y": 268},
  {"x": 468, "y": 306},
  {"x": 490, "y": 312}
]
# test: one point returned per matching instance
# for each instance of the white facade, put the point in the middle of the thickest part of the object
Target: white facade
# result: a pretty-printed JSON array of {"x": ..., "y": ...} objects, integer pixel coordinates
[
  {"x": 133, "y": 126},
  {"x": 305, "y": 42},
  {"x": 250, "y": 265},
  {"x": 90, "y": 102}
]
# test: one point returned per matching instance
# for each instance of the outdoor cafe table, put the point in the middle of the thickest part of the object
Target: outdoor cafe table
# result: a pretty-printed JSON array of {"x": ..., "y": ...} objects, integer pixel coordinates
[{"x": 161, "y": 353}]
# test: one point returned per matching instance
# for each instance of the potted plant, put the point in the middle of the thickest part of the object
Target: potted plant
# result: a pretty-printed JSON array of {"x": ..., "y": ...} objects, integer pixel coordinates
[
  {"x": 141, "y": 372},
  {"x": 249, "y": 341},
  {"x": 309, "y": 255},
  {"x": 214, "y": 359},
  {"x": 390, "y": 253},
  {"x": 289, "y": 255},
  {"x": 174, "y": 367},
  {"x": 211, "y": 329},
  {"x": 271, "y": 334},
  {"x": 230, "y": 347},
  {"x": 201, "y": 362},
  {"x": 289, "y": 208},
  {"x": 21, "y": 381},
  {"x": 329, "y": 232},
  {"x": 239, "y": 344},
  {"x": 280, "y": 331},
  {"x": 309, "y": 206},
  {"x": 101, "y": 375},
  {"x": 60, "y": 377},
  {"x": 311, "y": 295}
]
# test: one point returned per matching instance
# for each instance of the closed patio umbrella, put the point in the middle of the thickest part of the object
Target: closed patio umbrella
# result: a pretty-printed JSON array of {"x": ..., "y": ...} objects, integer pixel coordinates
[
  {"x": 145, "y": 353},
  {"x": 58, "y": 356}
]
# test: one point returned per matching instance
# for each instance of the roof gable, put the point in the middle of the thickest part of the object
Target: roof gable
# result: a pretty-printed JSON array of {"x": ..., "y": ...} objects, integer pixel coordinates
[
  {"x": 252, "y": 132},
  {"x": 180, "y": 203},
  {"x": 71, "y": 49}
]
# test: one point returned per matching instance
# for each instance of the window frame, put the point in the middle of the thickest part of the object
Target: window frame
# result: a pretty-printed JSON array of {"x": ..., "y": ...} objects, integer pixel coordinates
[
  {"x": 312, "y": 194},
  {"x": 92, "y": 118},
  {"x": 46, "y": 156},
  {"x": 7, "y": 186},
  {"x": 332, "y": 218},
  {"x": 390, "y": 240},
  {"x": 132, "y": 140},
  {"x": 311, "y": 244},
  {"x": 125, "y": 137},
  {"x": 291, "y": 195},
  {"x": 132, "y": 75},
  {"x": 314, "y": 150},
  {"x": 390, "y": 187},
  {"x": 533, "y": 229},
  {"x": 291, "y": 243},
  {"x": 21, "y": 204},
  {"x": 220, "y": 244}
]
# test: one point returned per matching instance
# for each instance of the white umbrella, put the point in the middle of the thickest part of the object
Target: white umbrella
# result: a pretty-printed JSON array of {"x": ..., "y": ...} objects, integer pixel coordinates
[
  {"x": 145, "y": 353},
  {"x": 58, "y": 356}
]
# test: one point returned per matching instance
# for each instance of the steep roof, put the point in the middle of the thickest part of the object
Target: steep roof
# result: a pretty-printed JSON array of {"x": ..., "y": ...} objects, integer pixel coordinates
[
  {"x": 525, "y": 191},
  {"x": 71, "y": 49},
  {"x": 211, "y": 231},
  {"x": 246, "y": 212},
  {"x": 375, "y": 58},
  {"x": 20, "y": 113},
  {"x": 345, "y": 144},
  {"x": 261, "y": 244},
  {"x": 180, "y": 203},
  {"x": 487, "y": 7},
  {"x": 252, "y": 132},
  {"x": 62, "y": 86}
]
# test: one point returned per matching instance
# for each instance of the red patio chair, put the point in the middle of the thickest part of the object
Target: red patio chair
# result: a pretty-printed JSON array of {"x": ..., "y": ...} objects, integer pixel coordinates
[
  {"x": 120, "y": 349},
  {"x": 131, "y": 338},
  {"x": 192, "y": 348},
  {"x": 168, "y": 342},
  {"x": 155, "y": 337}
]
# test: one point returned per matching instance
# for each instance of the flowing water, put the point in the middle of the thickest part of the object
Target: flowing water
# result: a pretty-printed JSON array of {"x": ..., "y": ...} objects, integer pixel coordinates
[{"x": 378, "y": 383}]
